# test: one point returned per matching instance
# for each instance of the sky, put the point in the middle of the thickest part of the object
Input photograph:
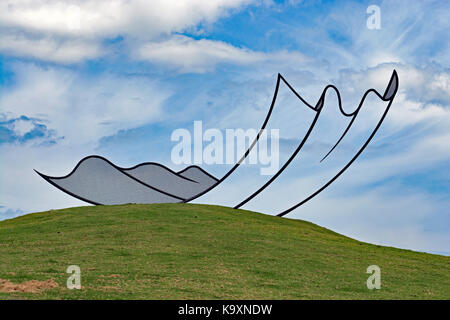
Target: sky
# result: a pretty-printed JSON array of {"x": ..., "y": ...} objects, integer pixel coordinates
[{"x": 116, "y": 78}]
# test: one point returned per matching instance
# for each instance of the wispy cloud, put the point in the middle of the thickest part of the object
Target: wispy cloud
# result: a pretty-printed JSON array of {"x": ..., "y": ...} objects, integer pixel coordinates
[
  {"x": 72, "y": 31},
  {"x": 66, "y": 51},
  {"x": 83, "y": 110},
  {"x": 188, "y": 55},
  {"x": 109, "y": 18}
]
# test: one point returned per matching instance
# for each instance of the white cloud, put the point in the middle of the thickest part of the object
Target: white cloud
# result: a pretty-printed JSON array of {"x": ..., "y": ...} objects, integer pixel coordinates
[
  {"x": 21, "y": 127},
  {"x": 49, "y": 48},
  {"x": 191, "y": 55},
  {"x": 72, "y": 31},
  {"x": 188, "y": 55},
  {"x": 100, "y": 18},
  {"x": 422, "y": 96},
  {"x": 82, "y": 110}
]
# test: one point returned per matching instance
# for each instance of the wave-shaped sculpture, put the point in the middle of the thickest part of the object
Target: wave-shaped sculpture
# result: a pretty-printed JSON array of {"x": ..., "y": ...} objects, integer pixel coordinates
[
  {"x": 98, "y": 181},
  {"x": 388, "y": 96}
]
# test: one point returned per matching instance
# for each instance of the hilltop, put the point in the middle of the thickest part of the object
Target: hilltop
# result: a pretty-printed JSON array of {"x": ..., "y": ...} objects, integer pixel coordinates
[{"x": 187, "y": 251}]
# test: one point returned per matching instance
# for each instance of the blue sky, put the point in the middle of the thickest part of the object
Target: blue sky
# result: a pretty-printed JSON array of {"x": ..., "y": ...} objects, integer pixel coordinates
[{"x": 116, "y": 78}]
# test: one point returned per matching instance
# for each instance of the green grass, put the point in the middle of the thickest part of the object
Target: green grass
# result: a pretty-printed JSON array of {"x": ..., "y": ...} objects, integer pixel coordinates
[{"x": 186, "y": 251}]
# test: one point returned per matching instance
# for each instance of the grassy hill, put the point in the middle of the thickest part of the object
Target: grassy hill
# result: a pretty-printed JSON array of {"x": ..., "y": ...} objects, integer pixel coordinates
[{"x": 178, "y": 251}]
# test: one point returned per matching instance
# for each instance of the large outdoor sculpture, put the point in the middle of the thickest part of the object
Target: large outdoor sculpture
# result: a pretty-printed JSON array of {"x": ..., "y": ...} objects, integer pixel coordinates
[{"x": 98, "y": 181}]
